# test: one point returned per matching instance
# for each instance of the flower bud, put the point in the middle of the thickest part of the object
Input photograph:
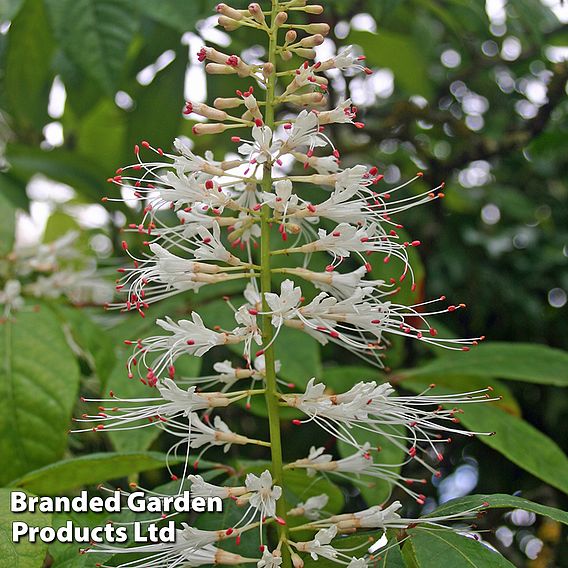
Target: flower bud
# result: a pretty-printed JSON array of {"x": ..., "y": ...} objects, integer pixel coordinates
[
  {"x": 281, "y": 18},
  {"x": 232, "y": 102},
  {"x": 268, "y": 69},
  {"x": 208, "y": 128},
  {"x": 306, "y": 53},
  {"x": 291, "y": 36},
  {"x": 314, "y": 9},
  {"x": 229, "y": 12},
  {"x": 312, "y": 41},
  {"x": 319, "y": 28},
  {"x": 297, "y": 562},
  {"x": 256, "y": 12},
  {"x": 228, "y": 24}
]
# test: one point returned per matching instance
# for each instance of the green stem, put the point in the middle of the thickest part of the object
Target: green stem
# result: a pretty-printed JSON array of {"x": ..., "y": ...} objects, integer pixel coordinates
[{"x": 271, "y": 394}]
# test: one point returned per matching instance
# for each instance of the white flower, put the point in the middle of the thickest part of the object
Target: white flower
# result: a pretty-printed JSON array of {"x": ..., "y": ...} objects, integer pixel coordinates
[
  {"x": 264, "y": 493},
  {"x": 201, "y": 488},
  {"x": 219, "y": 435},
  {"x": 10, "y": 297},
  {"x": 269, "y": 560},
  {"x": 188, "y": 161},
  {"x": 343, "y": 240},
  {"x": 261, "y": 148},
  {"x": 304, "y": 132},
  {"x": 282, "y": 199},
  {"x": 320, "y": 546},
  {"x": 378, "y": 518},
  {"x": 312, "y": 508},
  {"x": 283, "y": 304},
  {"x": 211, "y": 248}
]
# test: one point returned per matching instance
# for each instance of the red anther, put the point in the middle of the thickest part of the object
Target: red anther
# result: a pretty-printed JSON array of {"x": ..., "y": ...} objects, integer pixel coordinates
[
  {"x": 368, "y": 267},
  {"x": 334, "y": 333},
  {"x": 124, "y": 245},
  {"x": 412, "y": 451},
  {"x": 280, "y": 520},
  {"x": 202, "y": 54},
  {"x": 238, "y": 540},
  {"x": 368, "y": 71},
  {"x": 291, "y": 385},
  {"x": 374, "y": 171},
  {"x": 329, "y": 268},
  {"x": 253, "y": 312},
  {"x": 452, "y": 308},
  {"x": 258, "y": 122},
  {"x": 440, "y": 457},
  {"x": 145, "y": 143},
  {"x": 188, "y": 108},
  {"x": 259, "y": 353},
  {"x": 420, "y": 174},
  {"x": 287, "y": 126},
  {"x": 413, "y": 287},
  {"x": 209, "y": 184},
  {"x": 229, "y": 531},
  {"x": 415, "y": 243},
  {"x": 311, "y": 208},
  {"x": 235, "y": 138},
  {"x": 261, "y": 548},
  {"x": 386, "y": 259},
  {"x": 336, "y": 154},
  {"x": 296, "y": 422},
  {"x": 359, "y": 125},
  {"x": 190, "y": 342},
  {"x": 465, "y": 349},
  {"x": 171, "y": 371}
]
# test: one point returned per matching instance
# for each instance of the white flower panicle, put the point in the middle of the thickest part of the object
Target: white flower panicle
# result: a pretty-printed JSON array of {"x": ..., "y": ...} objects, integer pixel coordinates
[{"x": 226, "y": 214}]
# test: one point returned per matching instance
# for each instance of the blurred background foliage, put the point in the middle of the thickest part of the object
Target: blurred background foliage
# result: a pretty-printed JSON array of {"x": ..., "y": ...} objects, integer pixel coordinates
[{"x": 470, "y": 93}]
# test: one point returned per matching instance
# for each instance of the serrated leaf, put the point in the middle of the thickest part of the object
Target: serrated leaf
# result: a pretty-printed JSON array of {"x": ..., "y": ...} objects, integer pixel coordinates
[
  {"x": 96, "y": 35},
  {"x": 499, "y": 501},
  {"x": 37, "y": 393},
  {"x": 89, "y": 470},
  {"x": 514, "y": 361},
  {"x": 28, "y": 72},
  {"x": 23, "y": 554},
  {"x": 436, "y": 547}
]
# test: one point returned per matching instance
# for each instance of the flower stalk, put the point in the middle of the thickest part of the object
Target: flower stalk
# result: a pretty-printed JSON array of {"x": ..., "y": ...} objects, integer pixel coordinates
[{"x": 272, "y": 393}]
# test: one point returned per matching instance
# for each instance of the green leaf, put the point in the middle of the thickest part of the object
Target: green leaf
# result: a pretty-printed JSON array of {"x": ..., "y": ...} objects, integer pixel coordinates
[
  {"x": 100, "y": 136},
  {"x": 8, "y": 226},
  {"x": 28, "y": 72},
  {"x": 39, "y": 380},
  {"x": 96, "y": 344},
  {"x": 88, "y": 470},
  {"x": 96, "y": 35},
  {"x": 520, "y": 442},
  {"x": 180, "y": 16},
  {"x": 514, "y": 361},
  {"x": 433, "y": 548},
  {"x": 23, "y": 554},
  {"x": 400, "y": 54},
  {"x": 157, "y": 115},
  {"x": 499, "y": 501},
  {"x": 14, "y": 191}
]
